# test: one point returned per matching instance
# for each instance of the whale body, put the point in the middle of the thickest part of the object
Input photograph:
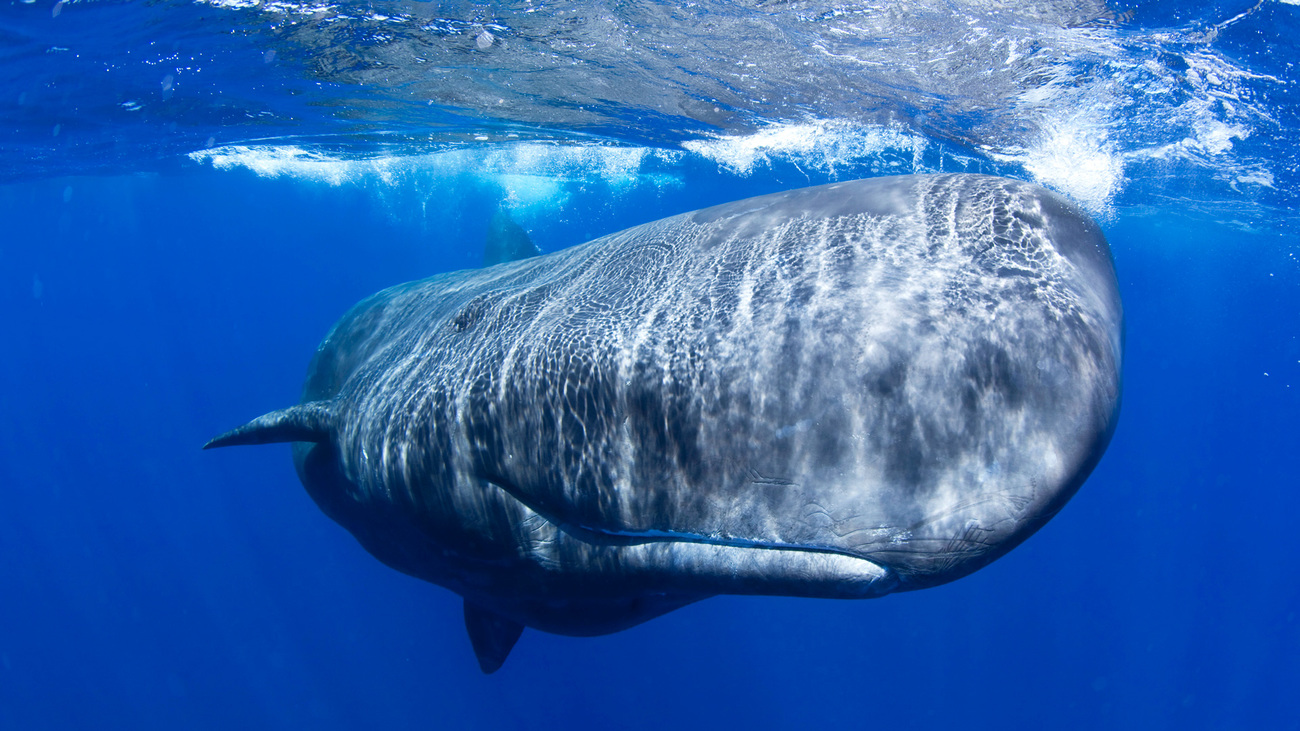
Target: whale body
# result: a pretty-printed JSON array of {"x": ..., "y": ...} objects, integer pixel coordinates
[{"x": 840, "y": 391}]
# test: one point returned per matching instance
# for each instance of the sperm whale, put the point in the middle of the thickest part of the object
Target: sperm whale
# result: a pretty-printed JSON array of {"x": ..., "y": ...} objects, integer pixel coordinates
[{"x": 839, "y": 391}]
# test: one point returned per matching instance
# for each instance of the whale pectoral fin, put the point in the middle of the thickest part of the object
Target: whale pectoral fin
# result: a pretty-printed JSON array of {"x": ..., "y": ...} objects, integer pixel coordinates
[
  {"x": 492, "y": 636},
  {"x": 309, "y": 422}
]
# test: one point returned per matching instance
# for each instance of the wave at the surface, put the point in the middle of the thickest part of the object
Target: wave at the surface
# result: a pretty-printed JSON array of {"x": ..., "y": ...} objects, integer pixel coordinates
[{"x": 1089, "y": 97}]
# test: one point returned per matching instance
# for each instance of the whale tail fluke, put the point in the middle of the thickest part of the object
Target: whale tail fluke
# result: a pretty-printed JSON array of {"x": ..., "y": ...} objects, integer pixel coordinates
[{"x": 309, "y": 422}]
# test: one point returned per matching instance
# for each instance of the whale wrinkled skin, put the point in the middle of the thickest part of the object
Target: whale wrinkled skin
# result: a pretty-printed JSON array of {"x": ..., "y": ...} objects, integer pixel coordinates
[{"x": 839, "y": 391}]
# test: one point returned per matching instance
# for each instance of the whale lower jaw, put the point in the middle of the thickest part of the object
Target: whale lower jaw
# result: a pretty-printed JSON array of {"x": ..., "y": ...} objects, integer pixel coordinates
[
  {"x": 683, "y": 562},
  {"x": 767, "y": 569},
  {"x": 625, "y": 585},
  {"x": 731, "y": 565}
]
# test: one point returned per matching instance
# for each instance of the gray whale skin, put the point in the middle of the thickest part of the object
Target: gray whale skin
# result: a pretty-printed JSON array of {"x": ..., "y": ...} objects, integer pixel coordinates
[{"x": 840, "y": 391}]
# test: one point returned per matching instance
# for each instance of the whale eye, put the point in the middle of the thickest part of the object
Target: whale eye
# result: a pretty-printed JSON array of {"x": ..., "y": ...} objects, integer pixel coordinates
[{"x": 470, "y": 314}]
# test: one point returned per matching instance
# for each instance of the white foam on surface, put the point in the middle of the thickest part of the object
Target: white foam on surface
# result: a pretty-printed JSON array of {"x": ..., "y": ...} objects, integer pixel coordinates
[
  {"x": 1075, "y": 157},
  {"x": 276, "y": 161},
  {"x": 527, "y": 168},
  {"x": 823, "y": 145}
]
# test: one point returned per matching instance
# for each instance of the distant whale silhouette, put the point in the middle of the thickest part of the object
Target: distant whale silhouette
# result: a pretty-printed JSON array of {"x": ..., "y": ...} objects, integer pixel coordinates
[
  {"x": 507, "y": 241},
  {"x": 839, "y": 391}
]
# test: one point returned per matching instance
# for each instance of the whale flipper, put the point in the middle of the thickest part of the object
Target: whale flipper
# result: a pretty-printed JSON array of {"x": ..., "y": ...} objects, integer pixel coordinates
[
  {"x": 309, "y": 422},
  {"x": 507, "y": 241},
  {"x": 492, "y": 636}
]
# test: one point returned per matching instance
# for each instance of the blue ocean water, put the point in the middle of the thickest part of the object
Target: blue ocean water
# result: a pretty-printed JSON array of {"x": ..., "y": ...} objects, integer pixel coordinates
[{"x": 193, "y": 192}]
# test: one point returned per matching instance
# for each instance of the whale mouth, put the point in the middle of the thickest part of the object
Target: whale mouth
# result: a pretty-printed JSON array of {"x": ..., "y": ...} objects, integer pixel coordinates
[
  {"x": 715, "y": 564},
  {"x": 730, "y": 565},
  {"x": 628, "y": 537}
]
